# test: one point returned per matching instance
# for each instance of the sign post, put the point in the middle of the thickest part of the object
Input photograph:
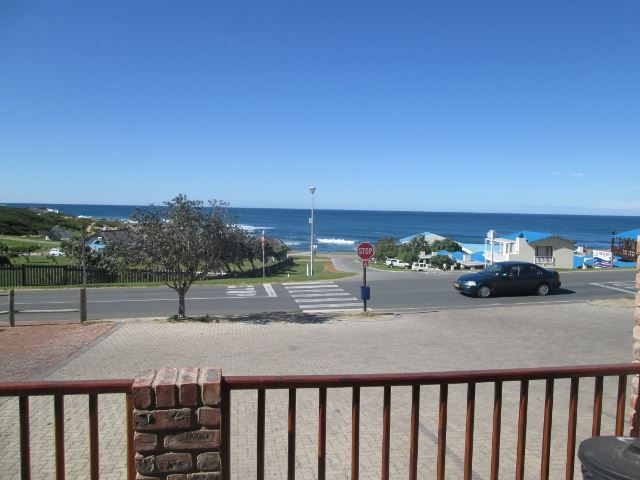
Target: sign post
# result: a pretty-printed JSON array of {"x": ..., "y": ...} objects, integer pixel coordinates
[{"x": 365, "y": 252}]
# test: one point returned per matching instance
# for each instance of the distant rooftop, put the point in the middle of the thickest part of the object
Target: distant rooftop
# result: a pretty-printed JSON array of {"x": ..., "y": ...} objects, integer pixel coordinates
[
  {"x": 435, "y": 236},
  {"x": 629, "y": 234},
  {"x": 529, "y": 236}
]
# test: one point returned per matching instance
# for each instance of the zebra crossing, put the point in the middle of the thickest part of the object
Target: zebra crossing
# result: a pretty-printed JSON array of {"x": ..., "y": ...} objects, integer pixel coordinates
[
  {"x": 244, "y": 291},
  {"x": 241, "y": 291},
  {"x": 624, "y": 287},
  {"x": 319, "y": 297}
]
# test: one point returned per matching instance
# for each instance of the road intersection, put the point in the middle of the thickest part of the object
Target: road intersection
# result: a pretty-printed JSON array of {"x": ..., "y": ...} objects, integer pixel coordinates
[{"x": 391, "y": 291}]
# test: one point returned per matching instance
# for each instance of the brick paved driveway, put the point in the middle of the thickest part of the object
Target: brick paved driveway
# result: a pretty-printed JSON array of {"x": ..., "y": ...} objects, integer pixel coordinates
[{"x": 504, "y": 337}]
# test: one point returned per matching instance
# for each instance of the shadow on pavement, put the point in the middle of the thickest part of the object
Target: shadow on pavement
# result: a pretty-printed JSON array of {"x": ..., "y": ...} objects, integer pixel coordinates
[
  {"x": 563, "y": 291},
  {"x": 266, "y": 318}
]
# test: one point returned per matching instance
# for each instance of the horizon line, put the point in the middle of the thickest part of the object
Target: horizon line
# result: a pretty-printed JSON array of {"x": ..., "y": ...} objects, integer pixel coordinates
[{"x": 620, "y": 213}]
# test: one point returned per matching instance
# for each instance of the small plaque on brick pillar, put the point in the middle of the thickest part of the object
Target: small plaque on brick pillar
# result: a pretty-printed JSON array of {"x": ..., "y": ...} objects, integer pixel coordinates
[{"x": 193, "y": 440}]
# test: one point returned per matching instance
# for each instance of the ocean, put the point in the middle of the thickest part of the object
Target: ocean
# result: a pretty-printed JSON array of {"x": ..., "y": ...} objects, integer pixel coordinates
[{"x": 342, "y": 230}]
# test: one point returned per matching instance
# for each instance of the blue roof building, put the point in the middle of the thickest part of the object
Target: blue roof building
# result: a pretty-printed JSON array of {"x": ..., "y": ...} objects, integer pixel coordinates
[
  {"x": 542, "y": 248},
  {"x": 625, "y": 245}
]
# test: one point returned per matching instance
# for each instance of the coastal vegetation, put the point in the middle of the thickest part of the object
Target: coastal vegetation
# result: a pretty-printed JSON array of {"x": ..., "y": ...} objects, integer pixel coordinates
[
  {"x": 178, "y": 243},
  {"x": 34, "y": 221}
]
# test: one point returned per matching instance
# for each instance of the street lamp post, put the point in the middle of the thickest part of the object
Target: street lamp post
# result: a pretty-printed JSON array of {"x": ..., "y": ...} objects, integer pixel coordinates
[
  {"x": 311, "y": 222},
  {"x": 613, "y": 236}
]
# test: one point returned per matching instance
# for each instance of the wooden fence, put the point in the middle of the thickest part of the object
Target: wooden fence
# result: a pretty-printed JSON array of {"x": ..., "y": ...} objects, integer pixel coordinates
[{"x": 57, "y": 275}]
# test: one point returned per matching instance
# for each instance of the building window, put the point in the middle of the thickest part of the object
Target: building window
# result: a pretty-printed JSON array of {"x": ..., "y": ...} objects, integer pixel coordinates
[{"x": 544, "y": 251}]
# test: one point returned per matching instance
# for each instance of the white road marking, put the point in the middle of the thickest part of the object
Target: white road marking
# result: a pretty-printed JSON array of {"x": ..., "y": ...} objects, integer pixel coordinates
[
  {"x": 333, "y": 305},
  {"x": 330, "y": 310},
  {"x": 269, "y": 289},
  {"x": 242, "y": 291},
  {"x": 312, "y": 287},
  {"x": 331, "y": 299},
  {"x": 315, "y": 297},
  {"x": 332, "y": 294},
  {"x": 613, "y": 288}
]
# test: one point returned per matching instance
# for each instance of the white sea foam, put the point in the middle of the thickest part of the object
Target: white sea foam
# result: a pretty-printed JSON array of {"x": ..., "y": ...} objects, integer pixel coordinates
[
  {"x": 336, "y": 241},
  {"x": 292, "y": 243},
  {"x": 253, "y": 228}
]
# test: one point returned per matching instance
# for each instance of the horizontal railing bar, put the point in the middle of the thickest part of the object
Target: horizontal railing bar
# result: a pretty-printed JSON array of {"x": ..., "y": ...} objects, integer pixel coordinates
[
  {"x": 426, "y": 378},
  {"x": 60, "y": 310},
  {"x": 65, "y": 387}
]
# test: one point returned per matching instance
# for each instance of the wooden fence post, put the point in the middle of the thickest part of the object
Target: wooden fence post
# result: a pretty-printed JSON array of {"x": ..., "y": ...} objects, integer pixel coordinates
[
  {"x": 12, "y": 312},
  {"x": 83, "y": 305}
]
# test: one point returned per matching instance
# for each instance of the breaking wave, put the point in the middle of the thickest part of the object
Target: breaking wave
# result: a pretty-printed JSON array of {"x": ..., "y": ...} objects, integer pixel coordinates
[
  {"x": 336, "y": 241},
  {"x": 253, "y": 228}
]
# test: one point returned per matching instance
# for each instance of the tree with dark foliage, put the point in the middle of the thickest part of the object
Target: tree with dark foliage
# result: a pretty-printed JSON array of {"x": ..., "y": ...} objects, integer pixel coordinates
[{"x": 183, "y": 238}]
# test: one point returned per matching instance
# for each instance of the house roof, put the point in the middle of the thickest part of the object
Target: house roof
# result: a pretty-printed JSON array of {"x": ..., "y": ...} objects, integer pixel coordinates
[
  {"x": 629, "y": 234},
  {"x": 528, "y": 235},
  {"x": 472, "y": 247},
  {"x": 59, "y": 233},
  {"x": 112, "y": 235},
  {"x": 424, "y": 234},
  {"x": 275, "y": 242}
]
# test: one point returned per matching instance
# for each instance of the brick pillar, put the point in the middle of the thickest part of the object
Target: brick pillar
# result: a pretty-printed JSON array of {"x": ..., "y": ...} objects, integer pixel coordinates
[
  {"x": 636, "y": 352},
  {"x": 177, "y": 424}
]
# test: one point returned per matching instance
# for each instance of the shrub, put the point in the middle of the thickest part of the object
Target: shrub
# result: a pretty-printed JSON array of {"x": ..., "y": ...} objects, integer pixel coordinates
[{"x": 439, "y": 261}]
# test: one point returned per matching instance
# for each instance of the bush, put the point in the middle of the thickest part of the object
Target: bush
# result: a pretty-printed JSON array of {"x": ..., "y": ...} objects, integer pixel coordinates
[
  {"x": 386, "y": 247},
  {"x": 446, "y": 244},
  {"x": 407, "y": 254},
  {"x": 439, "y": 261}
]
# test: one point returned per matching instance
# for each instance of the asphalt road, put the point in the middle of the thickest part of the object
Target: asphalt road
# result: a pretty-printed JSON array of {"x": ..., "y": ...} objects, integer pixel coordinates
[{"x": 399, "y": 291}]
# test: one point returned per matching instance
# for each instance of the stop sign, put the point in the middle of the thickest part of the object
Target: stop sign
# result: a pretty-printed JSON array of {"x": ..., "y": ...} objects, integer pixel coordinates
[{"x": 365, "y": 250}]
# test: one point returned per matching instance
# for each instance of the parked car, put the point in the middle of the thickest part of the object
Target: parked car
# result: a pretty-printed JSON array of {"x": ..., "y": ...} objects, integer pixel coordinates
[
  {"x": 56, "y": 252},
  {"x": 394, "y": 262},
  {"x": 420, "y": 266},
  {"x": 508, "y": 277}
]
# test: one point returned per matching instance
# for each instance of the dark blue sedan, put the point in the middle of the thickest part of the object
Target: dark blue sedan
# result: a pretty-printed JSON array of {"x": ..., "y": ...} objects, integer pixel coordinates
[{"x": 507, "y": 278}]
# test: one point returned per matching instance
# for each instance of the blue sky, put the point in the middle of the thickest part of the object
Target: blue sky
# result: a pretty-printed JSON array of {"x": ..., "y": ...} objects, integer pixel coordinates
[{"x": 497, "y": 106}]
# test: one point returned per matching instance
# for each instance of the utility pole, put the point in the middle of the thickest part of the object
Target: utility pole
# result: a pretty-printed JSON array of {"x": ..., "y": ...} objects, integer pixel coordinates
[
  {"x": 311, "y": 221},
  {"x": 83, "y": 290}
]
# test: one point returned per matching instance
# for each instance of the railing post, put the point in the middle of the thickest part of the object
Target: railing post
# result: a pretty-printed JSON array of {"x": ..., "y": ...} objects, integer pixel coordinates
[
  {"x": 25, "y": 445},
  {"x": 635, "y": 405},
  {"x": 12, "y": 308},
  {"x": 83, "y": 305}
]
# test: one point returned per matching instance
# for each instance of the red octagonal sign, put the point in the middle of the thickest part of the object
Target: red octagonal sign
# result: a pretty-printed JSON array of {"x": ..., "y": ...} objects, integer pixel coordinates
[{"x": 365, "y": 250}]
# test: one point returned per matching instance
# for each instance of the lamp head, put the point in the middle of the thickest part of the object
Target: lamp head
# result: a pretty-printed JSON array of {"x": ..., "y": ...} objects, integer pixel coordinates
[{"x": 312, "y": 190}]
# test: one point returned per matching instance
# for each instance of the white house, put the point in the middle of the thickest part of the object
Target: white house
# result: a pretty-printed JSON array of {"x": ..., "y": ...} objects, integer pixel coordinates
[{"x": 544, "y": 249}]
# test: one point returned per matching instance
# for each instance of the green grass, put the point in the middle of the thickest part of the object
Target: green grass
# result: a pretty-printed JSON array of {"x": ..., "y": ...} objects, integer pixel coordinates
[
  {"x": 18, "y": 241},
  {"x": 39, "y": 260},
  {"x": 324, "y": 270}
]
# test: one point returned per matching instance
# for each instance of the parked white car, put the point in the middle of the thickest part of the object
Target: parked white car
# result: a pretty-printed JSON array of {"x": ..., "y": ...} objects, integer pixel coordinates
[
  {"x": 56, "y": 252},
  {"x": 420, "y": 266},
  {"x": 394, "y": 262}
]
